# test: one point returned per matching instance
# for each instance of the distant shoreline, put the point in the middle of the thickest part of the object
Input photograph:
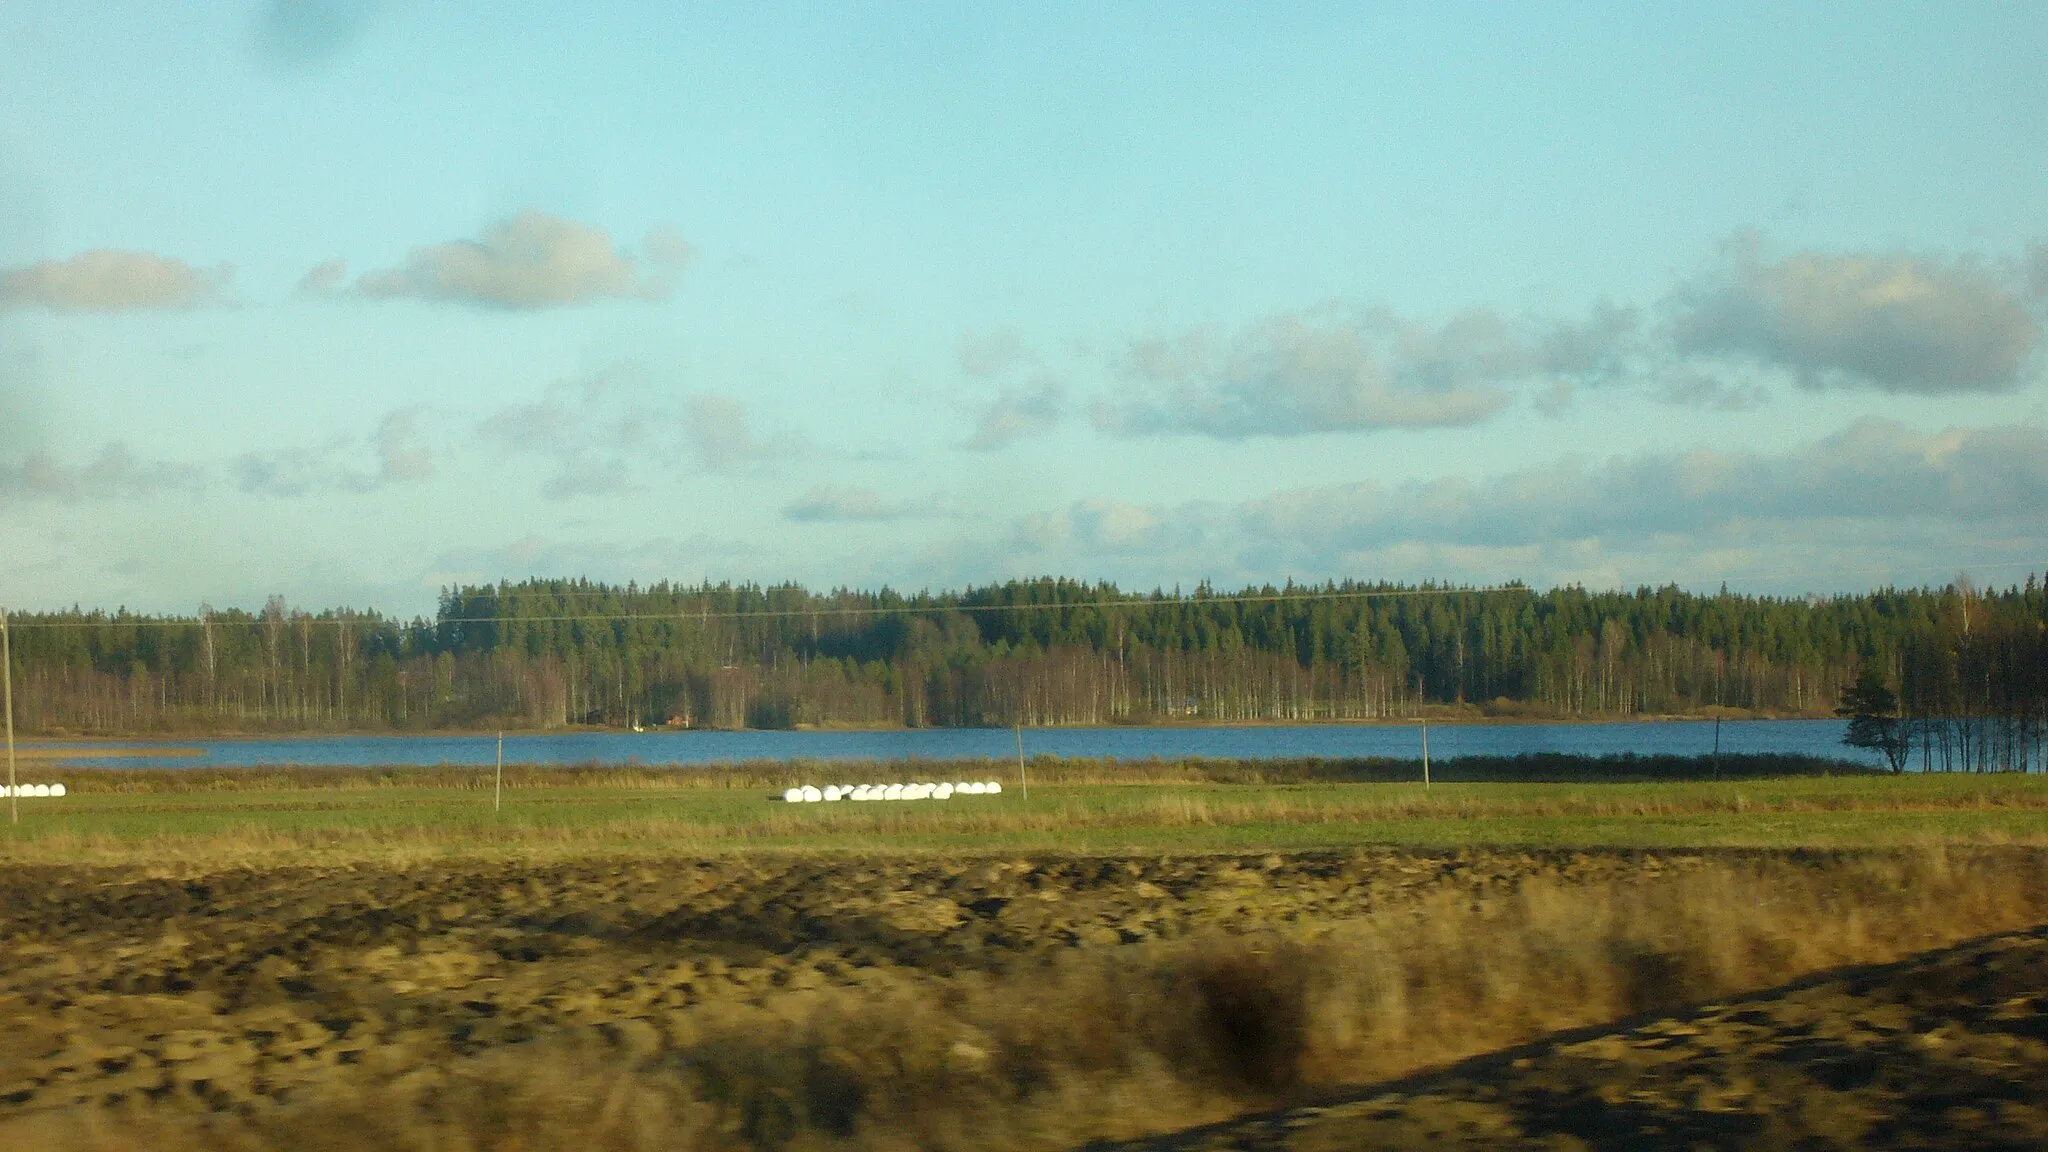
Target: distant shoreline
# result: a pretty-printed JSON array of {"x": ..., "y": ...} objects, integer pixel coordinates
[{"x": 26, "y": 745}]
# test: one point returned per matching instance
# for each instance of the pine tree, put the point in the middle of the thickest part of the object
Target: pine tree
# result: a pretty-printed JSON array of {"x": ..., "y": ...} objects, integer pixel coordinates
[{"x": 1872, "y": 710}]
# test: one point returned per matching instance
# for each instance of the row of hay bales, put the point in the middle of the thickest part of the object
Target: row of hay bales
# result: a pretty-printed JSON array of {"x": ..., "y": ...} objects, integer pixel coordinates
[
  {"x": 832, "y": 793},
  {"x": 28, "y": 791}
]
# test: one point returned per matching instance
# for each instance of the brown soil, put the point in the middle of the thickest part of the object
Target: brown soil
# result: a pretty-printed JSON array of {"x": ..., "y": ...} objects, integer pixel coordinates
[{"x": 1949, "y": 1050}]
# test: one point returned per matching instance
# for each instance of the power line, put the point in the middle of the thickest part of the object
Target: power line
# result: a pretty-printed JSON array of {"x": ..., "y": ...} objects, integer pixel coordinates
[{"x": 1752, "y": 574}]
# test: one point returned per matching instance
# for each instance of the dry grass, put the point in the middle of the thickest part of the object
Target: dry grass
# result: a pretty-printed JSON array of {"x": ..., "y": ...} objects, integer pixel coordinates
[
  {"x": 264, "y": 816},
  {"x": 1121, "y": 1041}
]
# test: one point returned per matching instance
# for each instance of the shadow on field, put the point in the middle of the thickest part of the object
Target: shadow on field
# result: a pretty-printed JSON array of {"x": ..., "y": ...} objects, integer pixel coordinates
[{"x": 1945, "y": 1050}]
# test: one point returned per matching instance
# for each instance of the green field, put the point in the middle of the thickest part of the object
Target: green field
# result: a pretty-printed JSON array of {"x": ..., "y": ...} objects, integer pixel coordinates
[{"x": 436, "y": 811}]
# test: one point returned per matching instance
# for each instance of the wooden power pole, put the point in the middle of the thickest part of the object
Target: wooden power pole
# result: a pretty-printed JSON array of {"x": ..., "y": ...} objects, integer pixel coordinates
[
  {"x": 1022, "y": 779},
  {"x": 7, "y": 691}
]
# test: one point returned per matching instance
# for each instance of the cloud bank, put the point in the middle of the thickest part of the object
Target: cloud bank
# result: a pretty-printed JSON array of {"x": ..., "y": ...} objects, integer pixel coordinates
[
  {"x": 1875, "y": 489},
  {"x": 1881, "y": 321},
  {"x": 1874, "y": 470}
]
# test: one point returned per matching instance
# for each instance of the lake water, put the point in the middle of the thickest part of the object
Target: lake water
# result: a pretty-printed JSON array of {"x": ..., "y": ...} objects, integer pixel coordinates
[{"x": 1684, "y": 738}]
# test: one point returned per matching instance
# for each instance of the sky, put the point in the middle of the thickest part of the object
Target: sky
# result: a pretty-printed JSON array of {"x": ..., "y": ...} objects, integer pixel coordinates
[{"x": 350, "y": 301}]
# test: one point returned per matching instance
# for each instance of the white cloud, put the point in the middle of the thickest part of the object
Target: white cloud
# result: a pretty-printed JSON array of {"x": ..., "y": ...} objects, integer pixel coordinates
[
  {"x": 109, "y": 280},
  {"x": 534, "y": 260},
  {"x": 1889, "y": 321}
]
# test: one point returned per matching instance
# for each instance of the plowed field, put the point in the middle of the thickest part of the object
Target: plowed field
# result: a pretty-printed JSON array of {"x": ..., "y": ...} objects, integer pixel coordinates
[{"x": 757, "y": 1001}]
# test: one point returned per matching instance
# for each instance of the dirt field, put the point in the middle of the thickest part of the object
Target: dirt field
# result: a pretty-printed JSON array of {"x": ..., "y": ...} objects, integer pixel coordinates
[{"x": 751, "y": 1001}]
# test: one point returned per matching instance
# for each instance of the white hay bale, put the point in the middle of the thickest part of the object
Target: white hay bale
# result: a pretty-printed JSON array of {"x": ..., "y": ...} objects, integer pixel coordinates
[
  {"x": 39, "y": 791},
  {"x": 56, "y": 790},
  {"x": 831, "y": 793},
  {"x": 942, "y": 792},
  {"x": 812, "y": 795},
  {"x": 893, "y": 792},
  {"x": 793, "y": 796},
  {"x": 992, "y": 788}
]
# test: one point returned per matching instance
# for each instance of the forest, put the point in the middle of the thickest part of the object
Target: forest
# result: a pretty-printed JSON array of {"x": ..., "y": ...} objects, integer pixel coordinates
[{"x": 1969, "y": 666}]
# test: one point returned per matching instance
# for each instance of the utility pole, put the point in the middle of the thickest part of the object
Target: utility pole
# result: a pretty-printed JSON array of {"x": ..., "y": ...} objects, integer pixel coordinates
[
  {"x": 1717, "y": 747},
  {"x": 498, "y": 791},
  {"x": 1425, "y": 755},
  {"x": 7, "y": 689},
  {"x": 1021, "y": 778},
  {"x": 341, "y": 668},
  {"x": 206, "y": 638}
]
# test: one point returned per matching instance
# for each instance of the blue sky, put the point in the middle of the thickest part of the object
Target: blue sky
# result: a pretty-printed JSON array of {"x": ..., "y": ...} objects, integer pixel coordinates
[{"x": 348, "y": 301}]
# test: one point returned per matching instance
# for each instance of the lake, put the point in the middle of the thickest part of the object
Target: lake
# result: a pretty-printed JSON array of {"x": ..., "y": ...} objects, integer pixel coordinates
[{"x": 1683, "y": 738}]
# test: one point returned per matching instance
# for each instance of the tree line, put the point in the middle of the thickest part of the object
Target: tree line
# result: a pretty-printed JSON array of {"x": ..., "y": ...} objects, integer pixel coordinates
[
  {"x": 1966, "y": 664},
  {"x": 1967, "y": 692}
]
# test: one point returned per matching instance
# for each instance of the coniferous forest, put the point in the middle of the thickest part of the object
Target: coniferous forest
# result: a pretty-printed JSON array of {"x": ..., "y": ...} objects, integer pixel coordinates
[{"x": 1969, "y": 667}]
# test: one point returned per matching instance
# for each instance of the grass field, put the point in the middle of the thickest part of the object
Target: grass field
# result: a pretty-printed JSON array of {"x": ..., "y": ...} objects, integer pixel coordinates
[{"x": 123, "y": 815}]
